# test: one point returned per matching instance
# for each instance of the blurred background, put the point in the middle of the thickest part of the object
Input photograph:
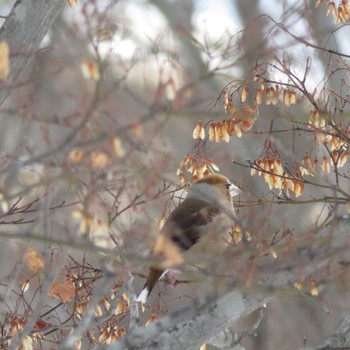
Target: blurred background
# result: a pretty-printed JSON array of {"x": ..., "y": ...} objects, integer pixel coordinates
[{"x": 100, "y": 122}]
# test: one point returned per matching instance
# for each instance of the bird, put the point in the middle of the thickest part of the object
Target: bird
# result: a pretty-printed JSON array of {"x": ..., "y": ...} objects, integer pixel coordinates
[{"x": 200, "y": 224}]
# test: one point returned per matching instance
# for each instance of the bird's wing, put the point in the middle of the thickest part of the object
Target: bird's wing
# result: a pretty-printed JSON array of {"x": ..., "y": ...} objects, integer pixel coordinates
[{"x": 184, "y": 226}]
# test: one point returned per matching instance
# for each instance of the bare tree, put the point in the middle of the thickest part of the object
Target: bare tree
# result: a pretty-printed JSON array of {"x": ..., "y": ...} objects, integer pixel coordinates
[{"x": 103, "y": 125}]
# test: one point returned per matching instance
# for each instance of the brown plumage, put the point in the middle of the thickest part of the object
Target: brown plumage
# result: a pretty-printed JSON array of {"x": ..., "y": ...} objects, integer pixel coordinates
[{"x": 201, "y": 223}]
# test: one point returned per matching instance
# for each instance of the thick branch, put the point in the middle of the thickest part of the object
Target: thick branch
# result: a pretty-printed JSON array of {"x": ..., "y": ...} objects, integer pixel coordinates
[
  {"x": 24, "y": 30},
  {"x": 169, "y": 333}
]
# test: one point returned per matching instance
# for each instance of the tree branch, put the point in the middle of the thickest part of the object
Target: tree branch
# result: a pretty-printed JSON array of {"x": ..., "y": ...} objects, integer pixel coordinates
[
  {"x": 24, "y": 30},
  {"x": 176, "y": 331}
]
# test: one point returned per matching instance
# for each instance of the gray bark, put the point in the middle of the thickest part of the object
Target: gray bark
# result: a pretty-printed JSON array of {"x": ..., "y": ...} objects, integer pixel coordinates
[{"x": 24, "y": 30}]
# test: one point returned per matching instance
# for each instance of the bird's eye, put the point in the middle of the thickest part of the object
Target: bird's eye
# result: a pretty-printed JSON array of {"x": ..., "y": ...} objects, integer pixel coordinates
[{"x": 227, "y": 185}]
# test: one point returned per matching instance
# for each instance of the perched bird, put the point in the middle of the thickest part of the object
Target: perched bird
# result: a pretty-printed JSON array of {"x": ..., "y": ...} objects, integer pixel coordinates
[{"x": 200, "y": 224}]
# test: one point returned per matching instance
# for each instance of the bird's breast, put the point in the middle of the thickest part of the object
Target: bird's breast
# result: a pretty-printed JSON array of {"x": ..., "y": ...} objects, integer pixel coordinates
[{"x": 215, "y": 237}]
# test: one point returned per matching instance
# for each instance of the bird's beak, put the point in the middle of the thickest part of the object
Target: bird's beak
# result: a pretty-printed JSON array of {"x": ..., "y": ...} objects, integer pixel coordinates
[{"x": 234, "y": 190}]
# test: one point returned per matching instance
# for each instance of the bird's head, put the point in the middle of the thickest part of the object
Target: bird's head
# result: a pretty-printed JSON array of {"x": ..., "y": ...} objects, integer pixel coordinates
[{"x": 213, "y": 188}]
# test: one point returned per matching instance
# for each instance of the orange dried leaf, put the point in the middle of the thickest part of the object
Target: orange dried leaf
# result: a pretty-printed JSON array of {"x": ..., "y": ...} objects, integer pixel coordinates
[
  {"x": 25, "y": 286},
  {"x": 298, "y": 187},
  {"x": 72, "y": 3},
  {"x": 278, "y": 182},
  {"x": 99, "y": 159},
  {"x": 332, "y": 8},
  {"x": 16, "y": 325},
  {"x": 116, "y": 287},
  {"x": 315, "y": 120},
  {"x": 236, "y": 234},
  {"x": 321, "y": 137},
  {"x": 63, "y": 291},
  {"x": 273, "y": 253},
  {"x": 225, "y": 135},
  {"x": 137, "y": 129},
  {"x": 161, "y": 221},
  {"x": 313, "y": 287},
  {"x": 199, "y": 131},
  {"x": 83, "y": 219},
  {"x": 230, "y": 126},
  {"x": 126, "y": 298},
  {"x": 122, "y": 306},
  {"x": 307, "y": 166},
  {"x": 204, "y": 167},
  {"x": 277, "y": 166},
  {"x": 80, "y": 308},
  {"x": 308, "y": 162},
  {"x": 212, "y": 165},
  {"x": 343, "y": 158},
  {"x": 76, "y": 155},
  {"x": 329, "y": 3},
  {"x": 90, "y": 70},
  {"x": 182, "y": 178},
  {"x": 198, "y": 172},
  {"x": 98, "y": 311},
  {"x": 104, "y": 336},
  {"x": 312, "y": 118},
  {"x": 277, "y": 89},
  {"x": 299, "y": 284},
  {"x": 293, "y": 98},
  {"x": 230, "y": 109},
  {"x": 274, "y": 98},
  {"x": 4, "y": 60},
  {"x": 34, "y": 260},
  {"x": 336, "y": 143},
  {"x": 289, "y": 97},
  {"x": 40, "y": 324},
  {"x": 4, "y": 204},
  {"x": 344, "y": 11},
  {"x": 325, "y": 164},
  {"x": 246, "y": 124},
  {"x": 120, "y": 332},
  {"x": 286, "y": 97},
  {"x": 206, "y": 172},
  {"x": 171, "y": 89},
  {"x": 238, "y": 131},
  {"x": 335, "y": 156},
  {"x": 270, "y": 93},
  {"x": 248, "y": 113},
  {"x": 288, "y": 185},
  {"x": 272, "y": 181},
  {"x": 314, "y": 291},
  {"x": 27, "y": 343},
  {"x": 226, "y": 100},
  {"x": 218, "y": 126},
  {"x": 153, "y": 318},
  {"x": 118, "y": 147},
  {"x": 259, "y": 96},
  {"x": 212, "y": 131},
  {"x": 244, "y": 94}
]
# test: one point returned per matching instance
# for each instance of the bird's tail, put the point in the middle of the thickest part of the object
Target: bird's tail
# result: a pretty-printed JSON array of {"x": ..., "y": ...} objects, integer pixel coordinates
[{"x": 153, "y": 277}]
